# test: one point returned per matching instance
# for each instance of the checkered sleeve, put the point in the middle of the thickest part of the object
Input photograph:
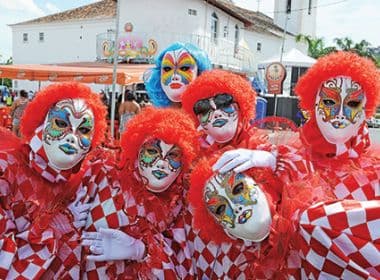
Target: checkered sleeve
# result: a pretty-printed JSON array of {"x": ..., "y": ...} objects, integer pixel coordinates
[
  {"x": 292, "y": 165},
  {"x": 340, "y": 240},
  {"x": 7, "y": 243}
]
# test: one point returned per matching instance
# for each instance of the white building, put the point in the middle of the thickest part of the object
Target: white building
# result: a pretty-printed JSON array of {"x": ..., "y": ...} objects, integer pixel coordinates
[{"x": 235, "y": 38}]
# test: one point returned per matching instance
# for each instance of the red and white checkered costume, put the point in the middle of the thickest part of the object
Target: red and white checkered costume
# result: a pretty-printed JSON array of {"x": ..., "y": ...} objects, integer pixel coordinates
[
  {"x": 124, "y": 203},
  {"x": 340, "y": 237},
  {"x": 36, "y": 227}
]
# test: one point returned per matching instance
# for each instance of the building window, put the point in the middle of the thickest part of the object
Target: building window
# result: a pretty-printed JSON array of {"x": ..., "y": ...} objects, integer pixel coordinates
[
  {"x": 41, "y": 37},
  {"x": 225, "y": 31},
  {"x": 214, "y": 27},
  {"x": 258, "y": 48},
  {"x": 237, "y": 38},
  {"x": 309, "y": 9},
  {"x": 25, "y": 37},
  {"x": 297, "y": 72},
  {"x": 192, "y": 12}
]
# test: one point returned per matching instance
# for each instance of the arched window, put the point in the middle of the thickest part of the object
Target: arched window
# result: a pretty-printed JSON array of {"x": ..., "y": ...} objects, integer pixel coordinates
[
  {"x": 214, "y": 27},
  {"x": 237, "y": 38}
]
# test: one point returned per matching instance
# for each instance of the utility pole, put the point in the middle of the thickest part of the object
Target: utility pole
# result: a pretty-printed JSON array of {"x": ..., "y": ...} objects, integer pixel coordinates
[{"x": 114, "y": 73}]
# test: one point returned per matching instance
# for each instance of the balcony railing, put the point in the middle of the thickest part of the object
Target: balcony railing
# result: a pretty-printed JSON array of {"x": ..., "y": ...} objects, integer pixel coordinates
[{"x": 141, "y": 47}]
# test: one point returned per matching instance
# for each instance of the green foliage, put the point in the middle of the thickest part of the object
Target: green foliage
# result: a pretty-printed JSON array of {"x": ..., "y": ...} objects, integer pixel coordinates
[
  {"x": 315, "y": 46},
  {"x": 5, "y": 81}
]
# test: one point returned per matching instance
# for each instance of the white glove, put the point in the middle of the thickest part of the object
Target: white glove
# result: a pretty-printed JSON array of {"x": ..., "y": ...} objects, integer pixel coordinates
[
  {"x": 241, "y": 160},
  {"x": 112, "y": 244},
  {"x": 80, "y": 209}
]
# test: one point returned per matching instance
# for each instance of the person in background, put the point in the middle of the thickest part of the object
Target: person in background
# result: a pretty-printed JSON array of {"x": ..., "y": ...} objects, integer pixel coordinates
[
  {"x": 145, "y": 101},
  {"x": 17, "y": 110},
  {"x": 128, "y": 109}
]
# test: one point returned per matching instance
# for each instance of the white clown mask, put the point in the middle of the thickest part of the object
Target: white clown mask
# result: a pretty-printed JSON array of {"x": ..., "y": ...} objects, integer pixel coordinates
[
  {"x": 67, "y": 133},
  {"x": 218, "y": 116},
  {"x": 239, "y": 205},
  {"x": 178, "y": 70},
  {"x": 159, "y": 164},
  {"x": 340, "y": 109}
]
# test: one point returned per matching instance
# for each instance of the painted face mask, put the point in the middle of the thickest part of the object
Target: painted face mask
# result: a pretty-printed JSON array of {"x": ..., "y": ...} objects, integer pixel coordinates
[
  {"x": 340, "y": 105},
  {"x": 159, "y": 164},
  {"x": 67, "y": 133},
  {"x": 239, "y": 205},
  {"x": 218, "y": 116},
  {"x": 178, "y": 70}
]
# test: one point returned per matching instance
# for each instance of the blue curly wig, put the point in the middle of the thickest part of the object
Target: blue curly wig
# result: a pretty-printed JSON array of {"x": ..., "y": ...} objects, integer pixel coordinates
[{"x": 153, "y": 82}]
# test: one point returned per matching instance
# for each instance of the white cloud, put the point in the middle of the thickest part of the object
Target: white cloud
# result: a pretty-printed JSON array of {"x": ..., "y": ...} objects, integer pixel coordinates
[
  {"x": 51, "y": 8},
  {"x": 28, "y": 7},
  {"x": 357, "y": 20}
]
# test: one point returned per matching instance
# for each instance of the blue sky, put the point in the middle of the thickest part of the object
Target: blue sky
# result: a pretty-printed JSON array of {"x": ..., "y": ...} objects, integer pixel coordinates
[{"x": 335, "y": 18}]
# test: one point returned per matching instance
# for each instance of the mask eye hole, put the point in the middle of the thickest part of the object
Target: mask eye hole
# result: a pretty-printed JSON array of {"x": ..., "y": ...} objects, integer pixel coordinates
[
  {"x": 220, "y": 210},
  {"x": 185, "y": 68},
  {"x": 166, "y": 68},
  {"x": 60, "y": 123},
  {"x": 328, "y": 102},
  {"x": 353, "y": 103},
  {"x": 151, "y": 151},
  {"x": 238, "y": 189},
  {"x": 84, "y": 130}
]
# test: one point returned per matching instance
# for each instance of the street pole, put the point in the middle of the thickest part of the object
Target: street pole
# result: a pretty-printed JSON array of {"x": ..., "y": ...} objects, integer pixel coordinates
[
  {"x": 114, "y": 73},
  {"x": 281, "y": 55}
]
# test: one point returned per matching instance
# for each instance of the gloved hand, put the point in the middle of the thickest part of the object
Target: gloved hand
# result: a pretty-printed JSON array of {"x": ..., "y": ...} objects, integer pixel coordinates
[
  {"x": 80, "y": 209},
  {"x": 112, "y": 244},
  {"x": 241, "y": 160}
]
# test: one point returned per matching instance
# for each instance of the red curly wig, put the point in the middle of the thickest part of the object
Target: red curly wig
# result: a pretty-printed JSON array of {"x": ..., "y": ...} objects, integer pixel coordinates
[
  {"x": 35, "y": 113},
  {"x": 203, "y": 219},
  {"x": 211, "y": 83},
  {"x": 170, "y": 125},
  {"x": 360, "y": 69}
]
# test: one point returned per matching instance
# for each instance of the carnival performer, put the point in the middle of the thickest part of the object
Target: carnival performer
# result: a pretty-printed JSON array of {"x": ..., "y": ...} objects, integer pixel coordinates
[
  {"x": 176, "y": 67},
  {"x": 40, "y": 176},
  {"x": 128, "y": 222},
  {"x": 243, "y": 213},
  {"x": 341, "y": 239}
]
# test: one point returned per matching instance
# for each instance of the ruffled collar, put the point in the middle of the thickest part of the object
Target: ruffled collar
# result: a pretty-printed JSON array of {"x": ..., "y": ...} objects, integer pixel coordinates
[
  {"x": 160, "y": 209},
  {"x": 321, "y": 149}
]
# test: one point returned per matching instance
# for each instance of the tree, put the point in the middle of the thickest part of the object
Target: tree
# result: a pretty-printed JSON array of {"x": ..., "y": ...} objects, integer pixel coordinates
[
  {"x": 5, "y": 81},
  {"x": 315, "y": 46},
  {"x": 361, "y": 48}
]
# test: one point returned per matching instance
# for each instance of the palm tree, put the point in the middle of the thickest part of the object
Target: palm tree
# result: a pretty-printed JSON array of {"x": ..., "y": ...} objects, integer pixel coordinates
[
  {"x": 361, "y": 48},
  {"x": 315, "y": 46}
]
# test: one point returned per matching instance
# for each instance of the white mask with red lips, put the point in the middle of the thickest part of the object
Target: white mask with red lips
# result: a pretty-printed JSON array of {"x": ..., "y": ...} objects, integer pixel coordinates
[
  {"x": 159, "y": 164},
  {"x": 67, "y": 133},
  {"x": 178, "y": 70},
  {"x": 340, "y": 110}
]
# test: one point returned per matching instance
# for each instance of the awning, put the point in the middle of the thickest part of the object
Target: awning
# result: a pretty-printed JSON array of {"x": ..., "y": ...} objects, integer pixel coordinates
[{"x": 98, "y": 73}]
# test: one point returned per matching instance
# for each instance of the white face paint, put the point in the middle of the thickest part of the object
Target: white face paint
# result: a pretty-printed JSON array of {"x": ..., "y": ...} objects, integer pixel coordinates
[
  {"x": 178, "y": 70},
  {"x": 218, "y": 116},
  {"x": 340, "y": 109},
  {"x": 67, "y": 133},
  {"x": 239, "y": 205},
  {"x": 159, "y": 164}
]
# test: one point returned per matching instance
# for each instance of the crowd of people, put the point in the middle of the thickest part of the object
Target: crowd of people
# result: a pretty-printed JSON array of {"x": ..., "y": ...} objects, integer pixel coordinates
[{"x": 195, "y": 192}]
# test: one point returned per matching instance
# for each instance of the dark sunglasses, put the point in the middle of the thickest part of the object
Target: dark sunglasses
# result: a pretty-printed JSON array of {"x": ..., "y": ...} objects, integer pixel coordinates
[{"x": 222, "y": 100}]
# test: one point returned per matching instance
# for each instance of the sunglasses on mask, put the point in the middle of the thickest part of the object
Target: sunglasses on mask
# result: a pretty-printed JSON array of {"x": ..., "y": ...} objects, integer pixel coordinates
[{"x": 223, "y": 100}]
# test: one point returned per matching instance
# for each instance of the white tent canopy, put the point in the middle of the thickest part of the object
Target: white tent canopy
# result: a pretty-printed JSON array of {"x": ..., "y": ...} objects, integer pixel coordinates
[{"x": 293, "y": 57}]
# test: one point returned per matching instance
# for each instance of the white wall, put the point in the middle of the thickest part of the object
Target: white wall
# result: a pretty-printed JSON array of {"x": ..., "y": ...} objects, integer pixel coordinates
[
  {"x": 300, "y": 22},
  {"x": 64, "y": 42}
]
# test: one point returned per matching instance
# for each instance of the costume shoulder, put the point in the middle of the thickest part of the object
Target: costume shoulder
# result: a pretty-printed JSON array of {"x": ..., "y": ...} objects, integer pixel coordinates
[{"x": 8, "y": 141}]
